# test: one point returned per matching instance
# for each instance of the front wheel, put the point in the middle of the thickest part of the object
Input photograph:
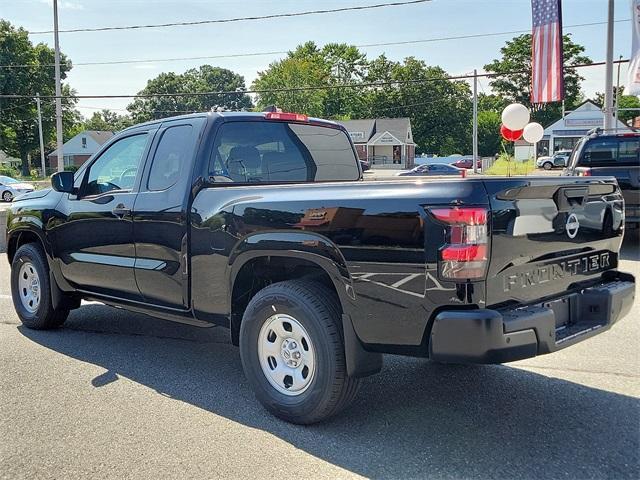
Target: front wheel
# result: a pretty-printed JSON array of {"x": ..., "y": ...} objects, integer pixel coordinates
[
  {"x": 547, "y": 166},
  {"x": 292, "y": 350},
  {"x": 31, "y": 291},
  {"x": 7, "y": 196}
]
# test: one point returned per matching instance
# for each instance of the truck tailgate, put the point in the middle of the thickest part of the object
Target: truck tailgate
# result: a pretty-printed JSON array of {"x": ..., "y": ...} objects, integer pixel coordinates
[{"x": 551, "y": 235}]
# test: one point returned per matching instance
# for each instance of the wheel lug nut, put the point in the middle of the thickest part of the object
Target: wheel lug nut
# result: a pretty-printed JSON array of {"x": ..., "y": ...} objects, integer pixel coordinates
[{"x": 292, "y": 345}]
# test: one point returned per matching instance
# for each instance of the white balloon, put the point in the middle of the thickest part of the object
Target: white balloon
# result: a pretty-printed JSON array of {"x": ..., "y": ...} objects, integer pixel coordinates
[
  {"x": 515, "y": 116},
  {"x": 533, "y": 132}
]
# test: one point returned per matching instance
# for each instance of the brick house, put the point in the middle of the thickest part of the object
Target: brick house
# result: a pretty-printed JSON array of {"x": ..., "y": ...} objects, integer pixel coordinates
[{"x": 78, "y": 149}]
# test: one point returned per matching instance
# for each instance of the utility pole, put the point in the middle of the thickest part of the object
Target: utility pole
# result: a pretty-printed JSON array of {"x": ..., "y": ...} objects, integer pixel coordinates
[
  {"x": 608, "y": 89},
  {"x": 475, "y": 121},
  {"x": 617, "y": 93},
  {"x": 58, "y": 88},
  {"x": 44, "y": 168}
]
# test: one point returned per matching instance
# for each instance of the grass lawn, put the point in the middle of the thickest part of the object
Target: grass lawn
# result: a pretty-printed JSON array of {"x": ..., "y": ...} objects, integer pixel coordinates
[{"x": 504, "y": 167}]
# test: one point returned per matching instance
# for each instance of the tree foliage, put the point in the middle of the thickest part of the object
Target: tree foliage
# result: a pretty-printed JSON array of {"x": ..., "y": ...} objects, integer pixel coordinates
[
  {"x": 515, "y": 87},
  {"x": 439, "y": 109},
  {"x": 107, "y": 120},
  {"x": 18, "y": 117},
  {"x": 489, "y": 139},
  {"x": 626, "y": 101},
  {"x": 204, "y": 79}
]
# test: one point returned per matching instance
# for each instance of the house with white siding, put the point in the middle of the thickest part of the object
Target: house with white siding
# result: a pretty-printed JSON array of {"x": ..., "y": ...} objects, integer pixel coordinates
[{"x": 78, "y": 149}]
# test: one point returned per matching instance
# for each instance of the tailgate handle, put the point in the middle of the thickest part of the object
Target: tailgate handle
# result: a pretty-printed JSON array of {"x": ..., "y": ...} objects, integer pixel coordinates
[{"x": 571, "y": 198}]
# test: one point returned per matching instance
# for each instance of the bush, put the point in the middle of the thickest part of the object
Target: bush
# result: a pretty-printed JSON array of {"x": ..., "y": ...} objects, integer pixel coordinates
[
  {"x": 9, "y": 172},
  {"x": 71, "y": 168}
]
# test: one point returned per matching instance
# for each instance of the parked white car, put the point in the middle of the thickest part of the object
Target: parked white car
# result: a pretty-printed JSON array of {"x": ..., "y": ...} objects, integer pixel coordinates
[
  {"x": 11, "y": 188},
  {"x": 558, "y": 160}
]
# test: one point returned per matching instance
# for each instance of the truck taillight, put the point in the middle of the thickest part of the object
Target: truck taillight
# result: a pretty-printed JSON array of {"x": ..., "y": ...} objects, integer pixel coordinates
[{"x": 464, "y": 256}]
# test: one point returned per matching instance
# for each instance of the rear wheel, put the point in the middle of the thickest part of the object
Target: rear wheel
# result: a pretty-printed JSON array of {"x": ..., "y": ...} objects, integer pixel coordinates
[
  {"x": 7, "y": 196},
  {"x": 31, "y": 290},
  {"x": 292, "y": 350}
]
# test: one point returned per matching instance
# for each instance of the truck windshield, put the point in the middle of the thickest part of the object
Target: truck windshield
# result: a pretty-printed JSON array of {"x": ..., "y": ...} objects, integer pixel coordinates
[{"x": 265, "y": 152}]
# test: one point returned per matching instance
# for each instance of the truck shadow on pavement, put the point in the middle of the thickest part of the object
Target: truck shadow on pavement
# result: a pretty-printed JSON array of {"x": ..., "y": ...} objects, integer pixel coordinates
[{"x": 414, "y": 419}]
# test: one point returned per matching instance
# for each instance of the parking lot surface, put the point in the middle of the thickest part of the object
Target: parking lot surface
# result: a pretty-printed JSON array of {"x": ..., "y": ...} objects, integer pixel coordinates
[{"x": 114, "y": 394}]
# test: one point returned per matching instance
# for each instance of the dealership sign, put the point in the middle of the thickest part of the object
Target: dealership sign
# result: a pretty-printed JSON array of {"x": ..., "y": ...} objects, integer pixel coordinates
[{"x": 583, "y": 122}]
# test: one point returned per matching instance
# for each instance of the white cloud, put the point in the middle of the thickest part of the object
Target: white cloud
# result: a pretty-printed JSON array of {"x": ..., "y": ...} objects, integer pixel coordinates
[{"x": 65, "y": 4}]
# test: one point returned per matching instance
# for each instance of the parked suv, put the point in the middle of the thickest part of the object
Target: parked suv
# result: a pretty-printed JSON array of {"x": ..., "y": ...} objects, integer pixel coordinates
[
  {"x": 611, "y": 155},
  {"x": 558, "y": 160}
]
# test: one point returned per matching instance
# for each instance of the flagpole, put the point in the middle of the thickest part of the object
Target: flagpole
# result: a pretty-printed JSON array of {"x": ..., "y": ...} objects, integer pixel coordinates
[{"x": 608, "y": 89}]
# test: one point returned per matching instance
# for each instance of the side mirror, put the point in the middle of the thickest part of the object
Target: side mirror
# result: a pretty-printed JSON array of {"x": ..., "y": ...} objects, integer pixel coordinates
[{"x": 62, "y": 182}]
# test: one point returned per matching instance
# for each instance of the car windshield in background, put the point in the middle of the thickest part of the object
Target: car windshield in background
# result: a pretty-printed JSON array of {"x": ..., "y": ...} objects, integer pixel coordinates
[
  {"x": 8, "y": 180},
  {"x": 264, "y": 152}
]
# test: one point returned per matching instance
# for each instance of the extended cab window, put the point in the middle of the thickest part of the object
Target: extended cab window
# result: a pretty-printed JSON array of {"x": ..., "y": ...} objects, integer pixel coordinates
[
  {"x": 171, "y": 155},
  {"x": 117, "y": 167},
  {"x": 262, "y": 152}
]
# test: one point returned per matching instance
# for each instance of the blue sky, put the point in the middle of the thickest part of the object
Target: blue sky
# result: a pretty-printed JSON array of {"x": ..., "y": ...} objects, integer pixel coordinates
[{"x": 439, "y": 18}]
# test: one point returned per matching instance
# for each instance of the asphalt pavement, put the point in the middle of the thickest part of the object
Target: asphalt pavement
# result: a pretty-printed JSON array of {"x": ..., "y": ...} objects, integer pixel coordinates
[{"x": 114, "y": 394}]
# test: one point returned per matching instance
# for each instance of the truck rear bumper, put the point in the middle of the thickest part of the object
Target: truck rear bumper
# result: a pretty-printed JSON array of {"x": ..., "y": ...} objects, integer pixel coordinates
[{"x": 498, "y": 336}]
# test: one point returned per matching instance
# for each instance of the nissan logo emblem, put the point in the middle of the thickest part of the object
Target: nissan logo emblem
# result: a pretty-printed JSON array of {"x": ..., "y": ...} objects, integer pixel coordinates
[{"x": 572, "y": 225}]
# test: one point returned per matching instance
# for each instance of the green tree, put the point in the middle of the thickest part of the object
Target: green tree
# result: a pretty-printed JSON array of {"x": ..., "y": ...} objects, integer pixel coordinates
[
  {"x": 107, "y": 120},
  {"x": 626, "y": 101},
  {"x": 440, "y": 109},
  {"x": 201, "y": 80},
  {"x": 18, "y": 117},
  {"x": 329, "y": 68},
  {"x": 515, "y": 87},
  {"x": 488, "y": 133},
  {"x": 491, "y": 102}
]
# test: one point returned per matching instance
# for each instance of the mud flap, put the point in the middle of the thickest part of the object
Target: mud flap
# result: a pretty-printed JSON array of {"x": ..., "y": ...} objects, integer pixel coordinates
[{"x": 360, "y": 363}]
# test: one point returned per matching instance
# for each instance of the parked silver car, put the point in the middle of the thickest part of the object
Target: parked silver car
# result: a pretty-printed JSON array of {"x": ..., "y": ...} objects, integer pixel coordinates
[{"x": 11, "y": 188}]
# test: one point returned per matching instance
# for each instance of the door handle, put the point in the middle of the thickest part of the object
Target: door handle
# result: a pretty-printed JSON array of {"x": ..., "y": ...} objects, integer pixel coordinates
[{"x": 120, "y": 211}]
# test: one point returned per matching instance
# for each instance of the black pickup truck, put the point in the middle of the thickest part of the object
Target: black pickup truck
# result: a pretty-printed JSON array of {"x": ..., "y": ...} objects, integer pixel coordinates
[{"x": 261, "y": 222}]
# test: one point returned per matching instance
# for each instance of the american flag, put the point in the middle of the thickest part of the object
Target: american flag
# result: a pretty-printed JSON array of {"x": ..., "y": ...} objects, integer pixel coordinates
[{"x": 547, "y": 79}]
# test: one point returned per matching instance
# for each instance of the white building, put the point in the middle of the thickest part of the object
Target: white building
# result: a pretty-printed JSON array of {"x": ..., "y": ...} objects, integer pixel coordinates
[{"x": 565, "y": 133}]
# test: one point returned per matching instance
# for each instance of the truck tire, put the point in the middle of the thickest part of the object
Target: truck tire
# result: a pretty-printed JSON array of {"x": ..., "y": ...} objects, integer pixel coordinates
[
  {"x": 292, "y": 351},
  {"x": 31, "y": 291}
]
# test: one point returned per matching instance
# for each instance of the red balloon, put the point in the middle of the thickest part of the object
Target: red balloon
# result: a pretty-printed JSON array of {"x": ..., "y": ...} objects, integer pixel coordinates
[{"x": 510, "y": 135}]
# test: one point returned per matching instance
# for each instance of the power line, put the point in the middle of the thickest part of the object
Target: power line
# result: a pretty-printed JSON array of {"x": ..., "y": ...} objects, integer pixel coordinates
[
  {"x": 238, "y": 19},
  {"x": 307, "y": 88},
  {"x": 282, "y": 52}
]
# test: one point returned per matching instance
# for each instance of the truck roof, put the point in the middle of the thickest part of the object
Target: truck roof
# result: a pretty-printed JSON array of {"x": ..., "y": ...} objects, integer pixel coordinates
[{"x": 234, "y": 115}]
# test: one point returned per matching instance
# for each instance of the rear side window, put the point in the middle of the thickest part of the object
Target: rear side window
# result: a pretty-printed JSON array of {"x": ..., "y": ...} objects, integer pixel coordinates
[
  {"x": 603, "y": 152},
  {"x": 170, "y": 158},
  {"x": 266, "y": 152}
]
